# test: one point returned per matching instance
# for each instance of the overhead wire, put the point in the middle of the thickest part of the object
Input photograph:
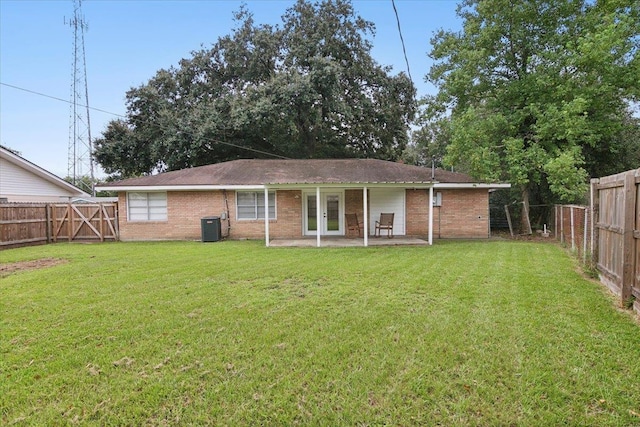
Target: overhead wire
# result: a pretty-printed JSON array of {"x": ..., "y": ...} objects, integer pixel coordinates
[
  {"x": 215, "y": 141},
  {"x": 59, "y": 99},
  {"x": 404, "y": 50}
]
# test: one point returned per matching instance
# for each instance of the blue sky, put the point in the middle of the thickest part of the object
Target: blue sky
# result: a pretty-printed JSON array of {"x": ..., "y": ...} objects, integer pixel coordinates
[{"x": 128, "y": 41}]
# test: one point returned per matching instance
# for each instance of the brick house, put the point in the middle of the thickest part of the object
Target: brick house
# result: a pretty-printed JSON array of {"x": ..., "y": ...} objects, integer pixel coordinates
[{"x": 302, "y": 197}]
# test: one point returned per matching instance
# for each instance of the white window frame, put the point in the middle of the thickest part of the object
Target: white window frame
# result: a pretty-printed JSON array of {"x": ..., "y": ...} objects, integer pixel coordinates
[
  {"x": 145, "y": 206},
  {"x": 256, "y": 206}
]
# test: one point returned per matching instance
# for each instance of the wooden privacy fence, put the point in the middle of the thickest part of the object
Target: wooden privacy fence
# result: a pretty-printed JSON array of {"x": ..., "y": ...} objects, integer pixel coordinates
[
  {"x": 32, "y": 223},
  {"x": 615, "y": 203}
]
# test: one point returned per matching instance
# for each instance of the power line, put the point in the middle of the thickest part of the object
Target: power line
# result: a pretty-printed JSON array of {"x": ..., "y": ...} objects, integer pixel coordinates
[
  {"x": 215, "y": 141},
  {"x": 66, "y": 101},
  {"x": 404, "y": 50}
]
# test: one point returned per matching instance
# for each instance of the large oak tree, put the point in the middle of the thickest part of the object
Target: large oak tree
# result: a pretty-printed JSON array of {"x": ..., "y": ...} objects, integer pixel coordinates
[
  {"x": 306, "y": 89},
  {"x": 538, "y": 93}
]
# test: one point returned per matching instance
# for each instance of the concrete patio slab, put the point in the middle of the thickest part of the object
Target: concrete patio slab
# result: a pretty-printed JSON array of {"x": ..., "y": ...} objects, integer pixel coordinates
[{"x": 344, "y": 242}]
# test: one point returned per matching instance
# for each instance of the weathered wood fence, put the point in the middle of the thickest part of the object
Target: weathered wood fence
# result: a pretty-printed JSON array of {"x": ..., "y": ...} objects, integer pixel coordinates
[
  {"x": 36, "y": 223},
  {"x": 615, "y": 205}
]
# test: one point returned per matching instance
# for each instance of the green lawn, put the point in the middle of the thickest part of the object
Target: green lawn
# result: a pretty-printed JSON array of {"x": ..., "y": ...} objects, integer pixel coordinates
[{"x": 232, "y": 333}]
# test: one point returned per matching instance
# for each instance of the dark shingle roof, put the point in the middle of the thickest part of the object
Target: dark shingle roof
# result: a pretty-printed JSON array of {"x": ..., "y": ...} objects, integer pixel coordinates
[{"x": 325, "y": 171}]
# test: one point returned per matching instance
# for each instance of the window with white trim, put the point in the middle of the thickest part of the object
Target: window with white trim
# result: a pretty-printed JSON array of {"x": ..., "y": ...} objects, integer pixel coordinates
[
  {"x": 146, "y": 206},
  {"x": 250, "y": 204}
]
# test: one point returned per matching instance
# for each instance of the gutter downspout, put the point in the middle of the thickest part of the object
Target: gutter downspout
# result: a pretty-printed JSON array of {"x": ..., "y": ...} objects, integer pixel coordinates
[{"x": 431, "y": 215}]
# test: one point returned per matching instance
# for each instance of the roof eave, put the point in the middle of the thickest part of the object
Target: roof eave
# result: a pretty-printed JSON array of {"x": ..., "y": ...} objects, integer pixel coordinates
[
  {"x": 468, "y": 185},
  {"x": 192, "y": 187}
]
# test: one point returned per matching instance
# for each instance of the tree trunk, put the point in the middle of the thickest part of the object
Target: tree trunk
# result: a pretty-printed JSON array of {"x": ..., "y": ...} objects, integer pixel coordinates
[{"x": 524, "y": 219}]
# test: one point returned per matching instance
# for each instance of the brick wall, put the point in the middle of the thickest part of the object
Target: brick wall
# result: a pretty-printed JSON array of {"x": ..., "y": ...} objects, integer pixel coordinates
[
  {"x": 463, "y": 214},
  {"x": 186, "y": 208},
  {"x": 353, "y": 203},
  {"x": 417, "y": 216}
]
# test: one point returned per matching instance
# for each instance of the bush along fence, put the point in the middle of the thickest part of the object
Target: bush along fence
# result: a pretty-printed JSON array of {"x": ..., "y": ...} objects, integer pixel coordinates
[
  {"x": 40, "y": 223},
  {"x": 615, "y": 207}
]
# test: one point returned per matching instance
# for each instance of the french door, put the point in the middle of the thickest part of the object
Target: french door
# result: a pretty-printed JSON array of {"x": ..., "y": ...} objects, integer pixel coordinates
[{"x": 331, "y": 214}]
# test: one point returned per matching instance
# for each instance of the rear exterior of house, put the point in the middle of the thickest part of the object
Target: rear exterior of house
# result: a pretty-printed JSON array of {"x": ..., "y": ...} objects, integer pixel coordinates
[
  {"x": 303, "y": 196},
  {"x": 461, "y": 213}
]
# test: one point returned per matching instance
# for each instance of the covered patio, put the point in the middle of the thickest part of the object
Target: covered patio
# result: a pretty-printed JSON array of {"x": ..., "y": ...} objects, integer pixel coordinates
[{"x": 346, "y": 242}]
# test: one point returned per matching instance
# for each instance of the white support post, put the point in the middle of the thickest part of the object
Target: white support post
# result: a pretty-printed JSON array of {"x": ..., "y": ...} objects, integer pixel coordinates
[
  {"x": 266, "y": 216},
  {"x": 430, "y": 215},
  {"x": 318, "y": 217},
  {"x": 365, "y": 212}
]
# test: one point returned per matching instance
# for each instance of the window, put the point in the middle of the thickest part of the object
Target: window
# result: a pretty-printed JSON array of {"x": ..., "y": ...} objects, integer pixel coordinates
[
  {"x": 147, "y": 206},
  {"x": 250, "y": 204}
]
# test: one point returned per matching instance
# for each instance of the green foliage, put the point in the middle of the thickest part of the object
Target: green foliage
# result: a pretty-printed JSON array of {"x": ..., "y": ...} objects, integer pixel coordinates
[
  {"x": 566, "y": 179},
  {"x": 84, "y": 182},
  {"x": 539, "y": 93},
  {"x": 233, "y": 333},
  {"x": 429, "y": 142},
  {"x": 306, "y": 89}
]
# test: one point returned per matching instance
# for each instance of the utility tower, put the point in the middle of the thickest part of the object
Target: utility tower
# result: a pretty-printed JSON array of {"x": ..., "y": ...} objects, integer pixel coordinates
[{"x": 80, "y": 145}]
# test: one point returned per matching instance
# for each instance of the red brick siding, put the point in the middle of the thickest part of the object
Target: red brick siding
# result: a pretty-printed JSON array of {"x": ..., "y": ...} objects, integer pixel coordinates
[
  {"x": 417, "y": 212},
  {"x": 463, "y": 214},
  {"x": 186, "y": 208},
  {"x": 353, "y": 203}
]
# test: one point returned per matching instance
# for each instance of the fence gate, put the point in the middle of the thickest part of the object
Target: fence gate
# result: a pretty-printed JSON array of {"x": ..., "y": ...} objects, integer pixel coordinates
[
  {"x": 30, "y": 223},
  {"x": 84, "y": 221}
]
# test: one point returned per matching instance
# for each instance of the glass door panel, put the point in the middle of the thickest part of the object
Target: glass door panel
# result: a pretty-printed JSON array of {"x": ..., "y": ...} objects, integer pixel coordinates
[
  {"x": 330, "y": 214},
  {"x": 311, "y": 213},
  {"x": 332, "y": 222}
]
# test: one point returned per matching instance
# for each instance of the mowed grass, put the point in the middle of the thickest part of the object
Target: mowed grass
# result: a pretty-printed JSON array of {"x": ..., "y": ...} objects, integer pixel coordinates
[{"x": 232, "y": 333}]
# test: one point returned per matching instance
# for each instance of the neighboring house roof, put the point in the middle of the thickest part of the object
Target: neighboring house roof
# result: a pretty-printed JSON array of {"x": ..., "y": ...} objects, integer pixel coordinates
[
  {"x": 259, "y": 173},
  {"x": 21, "y": 180}
]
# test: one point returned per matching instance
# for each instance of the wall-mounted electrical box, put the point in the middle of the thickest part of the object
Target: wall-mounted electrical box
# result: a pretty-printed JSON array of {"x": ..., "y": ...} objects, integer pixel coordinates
[{"x": 437, "y": 199}]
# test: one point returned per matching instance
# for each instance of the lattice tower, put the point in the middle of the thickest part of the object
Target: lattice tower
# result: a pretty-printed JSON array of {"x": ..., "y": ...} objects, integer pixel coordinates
[{"x": 80, "y": 166}]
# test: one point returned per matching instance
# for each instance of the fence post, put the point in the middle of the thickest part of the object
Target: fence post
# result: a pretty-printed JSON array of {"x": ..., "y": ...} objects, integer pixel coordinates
[
  {"x": 555, "y": 220},
  {"x": 47, "y": 215},
  {"x": 594, "y": 208},
  {"x": 561, "y": 223},
  {"x": 573, "y": 234},
  {"x": 70, "y": 210},
  {"x": 628, "y": 240},
  {"x": 585, "y": 222},
  {"x": 506, "y": 210},
  {"x": 54, "y": 223}
]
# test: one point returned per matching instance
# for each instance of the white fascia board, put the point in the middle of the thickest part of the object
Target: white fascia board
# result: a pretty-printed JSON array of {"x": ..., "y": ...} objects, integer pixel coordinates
[
  {"x": 148, "y": 188},
  {"x": 411, "y": 185},
  {"x": 469, "y": 185}
]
